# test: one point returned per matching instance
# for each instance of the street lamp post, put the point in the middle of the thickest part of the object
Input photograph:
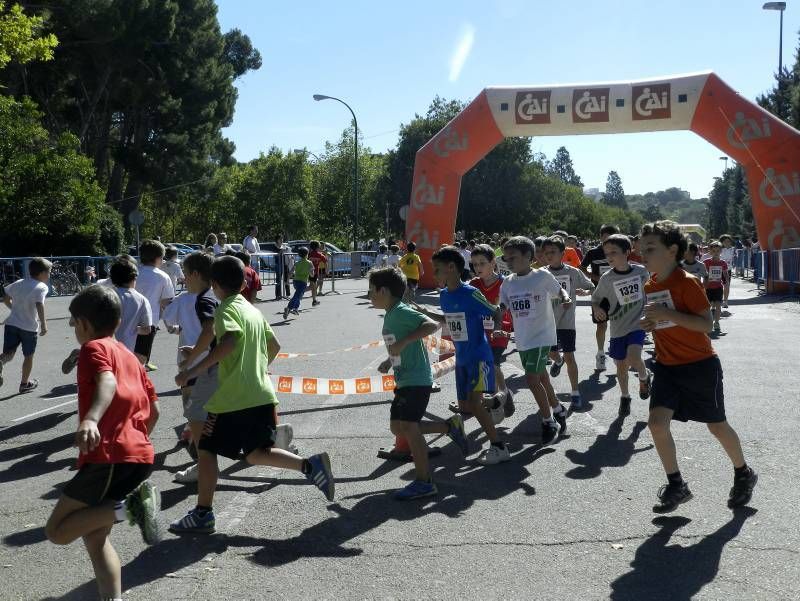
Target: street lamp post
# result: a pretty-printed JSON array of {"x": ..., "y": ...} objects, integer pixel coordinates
[
  {"x": 355, "y": 163},
  {"x": 780, "y": 7},
  {"x": 726, "y": 162}
]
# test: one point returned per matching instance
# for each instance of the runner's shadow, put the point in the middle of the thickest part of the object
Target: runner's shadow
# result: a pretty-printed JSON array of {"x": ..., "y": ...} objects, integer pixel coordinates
[
  {"x": 607, "y": 450},
  {"x": 62, "y": 390},
  {"x": 592, "y": 388},
  {"x": 676, "y": 572},
  {"x": 32, "y": 459}
]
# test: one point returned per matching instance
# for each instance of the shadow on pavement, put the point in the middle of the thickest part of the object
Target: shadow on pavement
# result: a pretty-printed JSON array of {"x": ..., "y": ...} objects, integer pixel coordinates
[
  {"x": 607, "y": 450},
  {"x": 676, "y": 572},
  {"x": 32, "y": 459}
]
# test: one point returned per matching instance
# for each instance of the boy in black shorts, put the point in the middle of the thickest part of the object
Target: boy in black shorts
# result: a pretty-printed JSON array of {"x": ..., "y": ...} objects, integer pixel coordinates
[
  {"x": 242, "y": 413},
  {"x": 687, "y": 375},
  {"x": 117, "y": 409},
  {"x": 403, "y": 331}
]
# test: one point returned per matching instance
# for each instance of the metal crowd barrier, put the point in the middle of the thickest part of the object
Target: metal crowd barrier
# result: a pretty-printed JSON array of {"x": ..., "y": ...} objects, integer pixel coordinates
[{"x": 785, "y": 266}]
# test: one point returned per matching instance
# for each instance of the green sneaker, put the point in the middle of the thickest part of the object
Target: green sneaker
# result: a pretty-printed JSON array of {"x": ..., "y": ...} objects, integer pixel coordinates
[{"x": 142, "y": 507}]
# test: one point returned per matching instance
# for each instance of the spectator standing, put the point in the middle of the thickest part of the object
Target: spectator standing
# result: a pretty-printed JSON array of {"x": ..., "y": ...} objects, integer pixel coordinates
[
  {"x": 284, "y": 263},
  {"x": 250, "y": 242},
  {"x": 222, "y": 245}
]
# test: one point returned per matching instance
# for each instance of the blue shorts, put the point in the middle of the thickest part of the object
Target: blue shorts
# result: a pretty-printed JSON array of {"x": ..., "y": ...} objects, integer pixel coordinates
[
  {"x": 14, "y": 336},
  {"x": 475, "y": 377},
  {"x": 618, "y": 347}
]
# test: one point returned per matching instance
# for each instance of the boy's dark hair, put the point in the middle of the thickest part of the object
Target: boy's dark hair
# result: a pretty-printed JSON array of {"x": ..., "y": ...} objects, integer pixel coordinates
[
  {"x": 150, "y": 250},
  {"x": 472, "y": 241},
  {"x": 313, "y": 245},
  {"x": 228, "y": 274},
  {"x": 634, "y": 238},
  {"x": 449, "y": 254},
  {"x": 382, "y": 248},
  {"x": 100, "y": 306},
  {"x": 394, "y": 248},
  {"x": 389, "y": 277},
  {"x": 243, "y": 256},
  {"x": 483, "y": 250},
  {"x": 170, "y": 252},
  {"x": 411, "y": 247},
  {"x": 669, "y": 234},
  {"x": 38, "y": 266},
  {"x": 560, "y": 233},
  {"x": 462, "y": 244},
  {"x": 621, "y": 241},
  {"x": 694, "y": 248},
  {"x": 503, "y": 241},
  {"x": 123, "y": 270},
  {"x": 724, "y": 237},
  {"x": 556, "y": 241},
  {"x": 609, "y": 229},
  {"x": 538, "y": 241},
  {"x": 302, "y": 251},
  {"x": 199, "y": 262},
  {"x": 522, "y": 244}
]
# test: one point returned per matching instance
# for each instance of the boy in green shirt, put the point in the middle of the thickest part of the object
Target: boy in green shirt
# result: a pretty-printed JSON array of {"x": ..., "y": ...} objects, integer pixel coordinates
[
  {"x": 403, "y": 331},
  {"x": 242, "y": 413},
  {"x": 302, "y": 272}
]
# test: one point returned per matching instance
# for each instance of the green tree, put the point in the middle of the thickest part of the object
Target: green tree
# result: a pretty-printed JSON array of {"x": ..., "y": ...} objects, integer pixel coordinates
[
  {"x": 653, "y": 213},
  {"x": 718, "y": 208},
  {"x": 561, "y": 168},
  {"x": 20, "y": 39},
  {"x": 614, "y": 195}
]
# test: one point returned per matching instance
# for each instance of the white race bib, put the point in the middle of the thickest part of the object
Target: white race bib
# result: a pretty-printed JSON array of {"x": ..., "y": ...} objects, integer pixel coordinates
[
  {"x": 628, "y": 290},
  {"x": 565, "y": 282},
  {"x": 457, "y": 324},
  {"x": 523, "y": 306},
  {"x": 488, "y": 323},
  {"x": 390, "y": 339},
  {"x": 663, "y": 298},
  {"x": 715, "y": 273}
]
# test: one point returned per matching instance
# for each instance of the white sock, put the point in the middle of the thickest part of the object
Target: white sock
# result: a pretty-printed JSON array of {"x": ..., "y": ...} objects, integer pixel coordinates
[
  {"x": 559, "y": 408},
  {"x": 119, "y": 512}
]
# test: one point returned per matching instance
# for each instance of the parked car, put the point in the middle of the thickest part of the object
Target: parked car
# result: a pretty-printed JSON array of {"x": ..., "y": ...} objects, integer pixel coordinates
[{"x": 340, "y": 259}]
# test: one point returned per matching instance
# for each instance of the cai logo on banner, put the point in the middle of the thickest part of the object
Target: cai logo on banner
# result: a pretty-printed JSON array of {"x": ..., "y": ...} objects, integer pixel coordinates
[
  {"x": 310, "y": 385},
  {"x": 532, "y": 107},
  {"x": 285, "y": 384},
  {"x": 651, "y": 102},
  {"x": 388, "y": 383},
  {"x": 363, "y": 385},
  {"x": 590, "y": 105},
  {"x": 335, "y": 386}
]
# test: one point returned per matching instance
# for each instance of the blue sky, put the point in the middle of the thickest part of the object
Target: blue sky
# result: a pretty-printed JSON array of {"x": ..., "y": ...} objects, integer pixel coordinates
[{"x": 389, "y": 59}]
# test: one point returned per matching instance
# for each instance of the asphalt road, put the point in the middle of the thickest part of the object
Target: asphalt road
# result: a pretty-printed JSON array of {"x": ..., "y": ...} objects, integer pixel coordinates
[{"x": 572, "y": 521}]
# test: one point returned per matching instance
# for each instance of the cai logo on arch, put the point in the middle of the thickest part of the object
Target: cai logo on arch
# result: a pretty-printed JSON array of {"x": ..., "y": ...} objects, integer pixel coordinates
[
  {"x": 532, "y": 107},
  {"x": 651, "y": 101},
  {"x": 590, "y": 105}
]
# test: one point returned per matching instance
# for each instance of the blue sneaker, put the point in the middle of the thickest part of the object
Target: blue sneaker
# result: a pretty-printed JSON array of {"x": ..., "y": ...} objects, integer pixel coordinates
[
  {"x": 577, "y": 402},
  {"x": 417, "y": 489},
  {"x": 194, "y": 521},
  {"x": 321, "y": 475},
  {"x": 457, "y": 434}
]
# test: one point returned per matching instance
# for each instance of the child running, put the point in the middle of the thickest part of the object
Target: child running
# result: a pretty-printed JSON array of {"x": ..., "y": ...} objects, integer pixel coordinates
[
  {"x": 242, "y": 412},
  {"x": 157, "y": 288},
  {"x": 403, "y": 331},
  {"x": 302, "y": 273},
  {"x": 687, "y": 374},
  {"x": 252, "y": 281},
  {"x": 691, "y": 265},
  {"x": 464, "y": 310},
  {"x": 527, "y": 293},
  {"x": 717, "y": 276},
  {"x": 394, "y": 256},
  {"x": 117, "y": 409},
  {"x": 594, "y": 264},
  {"x": 27, "y": 321},
  {"x": 622, "y": 291},
  {"x": 411, "y": 264},
  {"x": 319, "y": 260},
  {"x": 575, "y": 282},
  {"x": 488, "y": 282}
]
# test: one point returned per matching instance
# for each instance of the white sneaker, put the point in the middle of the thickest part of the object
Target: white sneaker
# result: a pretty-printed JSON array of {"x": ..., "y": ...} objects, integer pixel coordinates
[
  {"x": 188, "y": 475},
  {"x": 494, "y": 455},
  {"x": 283, "y": 436},
  {"x": 600, "y": 362}
]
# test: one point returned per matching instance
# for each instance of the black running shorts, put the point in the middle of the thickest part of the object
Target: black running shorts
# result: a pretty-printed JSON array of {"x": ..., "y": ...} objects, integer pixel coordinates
[
  {"x": 693, "y": 390},
  {"x": 98, "y": 482},
  {"x": 238, "y": 433},
  {"x": 410, "y": 403}
]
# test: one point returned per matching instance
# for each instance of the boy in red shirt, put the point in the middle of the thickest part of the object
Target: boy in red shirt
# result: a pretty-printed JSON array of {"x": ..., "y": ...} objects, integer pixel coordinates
[
  {"x": 117, "y": 409},
  {"x": 687, "y": 374},
  {"x": 320, "y": 262},
  {"x": 715, "y": 282},
  {"x": 488, "y": 282},
  {"x": 252, "y": 281}
]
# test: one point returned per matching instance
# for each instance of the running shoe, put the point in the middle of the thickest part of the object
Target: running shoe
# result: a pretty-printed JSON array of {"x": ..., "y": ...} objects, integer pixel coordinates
[
  {"x": 624, "y": 406},
  {"x": 321, "y": 475},
  {"x": 456, "y": 433},
  {"x": 150, "y": 367},
  {"x": 194, "y": 521},
  {"x": 549, "y": 432},
  {"x": 742, "y": 490},
  {"x": 670, "y": 496},
  {"x": 295, "y": 312},
  {"x": 494, "y": 455},
  {"x": 508, "y": 406},
  {"x": 28, "y": 386},
  {"x": 418, "y": 489},
  {"x": 142, "y": 507},
  {"x": 725, "y": 304},
  {"x": 717, "y": 328},
  {"x": 286, "y": 313},
  {"x": 70, "y": 362},
  {"x": 283, "y": 436},
  {"x": 644, "y": 386},
  {"x": 576, "y": 402},
  {"x": 600, "y": 362},
  {"x": 494, "y": 405},
  {"x": 187, "y": 476},
  {"x": 555, "y": 369},
  {"x": 561, "y": 418},
  {"x": 314, "y": 303}
]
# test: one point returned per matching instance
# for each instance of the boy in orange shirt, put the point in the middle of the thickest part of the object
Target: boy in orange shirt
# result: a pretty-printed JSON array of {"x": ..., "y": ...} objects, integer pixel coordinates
[{"x": 687, "y": 375}]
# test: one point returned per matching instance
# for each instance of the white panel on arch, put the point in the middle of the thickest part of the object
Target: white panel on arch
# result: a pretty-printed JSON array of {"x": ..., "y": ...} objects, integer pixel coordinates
[{"x": 666, "y": 103}]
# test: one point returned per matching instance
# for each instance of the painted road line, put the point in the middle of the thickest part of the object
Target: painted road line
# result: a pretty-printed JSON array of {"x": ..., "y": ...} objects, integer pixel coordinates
[{"x": 35, "y": 413}]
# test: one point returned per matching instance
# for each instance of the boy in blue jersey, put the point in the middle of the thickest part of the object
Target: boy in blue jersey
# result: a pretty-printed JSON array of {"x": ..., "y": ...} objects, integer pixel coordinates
[{"x": 464, "y": 309}]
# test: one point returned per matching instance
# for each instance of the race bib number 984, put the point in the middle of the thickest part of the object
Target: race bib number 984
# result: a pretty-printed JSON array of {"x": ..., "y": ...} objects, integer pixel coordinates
[{"x": 457, "y": 324}]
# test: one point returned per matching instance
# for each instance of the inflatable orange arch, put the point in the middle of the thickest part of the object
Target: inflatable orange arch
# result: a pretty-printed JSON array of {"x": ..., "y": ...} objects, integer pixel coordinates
[{"x": 765, "y": 146}]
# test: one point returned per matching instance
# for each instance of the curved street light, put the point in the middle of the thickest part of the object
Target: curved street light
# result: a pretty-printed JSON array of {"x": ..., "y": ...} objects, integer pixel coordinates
[{"x": 319, "y": 97}]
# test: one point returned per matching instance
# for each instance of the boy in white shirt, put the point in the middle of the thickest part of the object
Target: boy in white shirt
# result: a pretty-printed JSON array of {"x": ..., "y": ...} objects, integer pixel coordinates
[
  {"x": 157, "y": 288},
  {"x": 394, "y": 257},
  {"x": 136, "y": 318},
  {"x": 172, "y": 267},
  {"x": 382, "y": 259},
  {"x": 25, "y": 298}
]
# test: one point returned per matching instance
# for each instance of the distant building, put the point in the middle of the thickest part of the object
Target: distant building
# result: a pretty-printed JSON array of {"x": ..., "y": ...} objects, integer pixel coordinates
[
  {"x": 593, "y": 193},
  {"x": 695, "y": 231}
]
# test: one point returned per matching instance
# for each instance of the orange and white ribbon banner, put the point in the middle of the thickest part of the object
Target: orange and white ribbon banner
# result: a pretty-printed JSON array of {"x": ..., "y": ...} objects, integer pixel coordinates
[
  {"x": 431, "y": 343},
  {"x": 366, "y": 385}
]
